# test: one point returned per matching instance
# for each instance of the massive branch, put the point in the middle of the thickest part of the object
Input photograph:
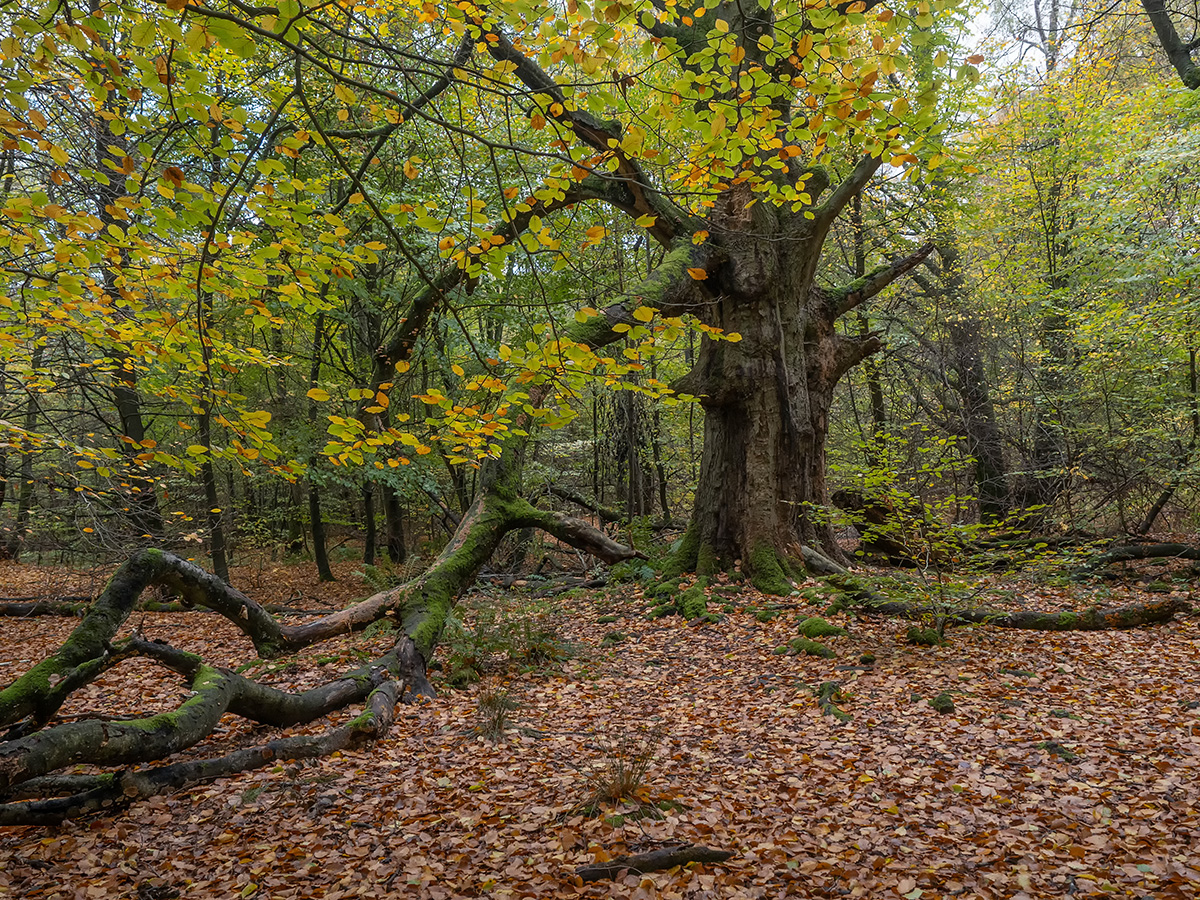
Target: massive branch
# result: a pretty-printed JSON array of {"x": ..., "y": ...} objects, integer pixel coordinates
[{"x": 1179, "y": 54}]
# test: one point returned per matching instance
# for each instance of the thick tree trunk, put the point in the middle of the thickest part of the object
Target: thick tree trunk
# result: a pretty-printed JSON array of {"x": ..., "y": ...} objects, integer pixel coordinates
[{"x": 767, "y": 397}]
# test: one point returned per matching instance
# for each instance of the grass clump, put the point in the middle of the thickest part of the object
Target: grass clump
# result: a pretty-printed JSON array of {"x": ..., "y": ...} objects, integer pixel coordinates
[
  {"x": 493, "y": 715},
  {"x": 623, "y": 773}
]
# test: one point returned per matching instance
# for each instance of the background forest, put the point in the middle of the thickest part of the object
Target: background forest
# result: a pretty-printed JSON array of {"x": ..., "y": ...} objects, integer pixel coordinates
[{"x": 229, "y": 324}]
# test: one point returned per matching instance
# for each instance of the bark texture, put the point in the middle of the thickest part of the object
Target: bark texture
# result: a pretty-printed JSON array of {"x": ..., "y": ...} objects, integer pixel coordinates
[
  {"x": 653, "y": 861},
  {"x": 767, "y": 397}
]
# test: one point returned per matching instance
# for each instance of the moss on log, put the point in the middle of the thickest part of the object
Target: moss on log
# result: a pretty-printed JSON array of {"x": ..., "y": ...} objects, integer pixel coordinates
[
  {"x": 1152, "y": 612},
  {"x": 110, "y": 792}
]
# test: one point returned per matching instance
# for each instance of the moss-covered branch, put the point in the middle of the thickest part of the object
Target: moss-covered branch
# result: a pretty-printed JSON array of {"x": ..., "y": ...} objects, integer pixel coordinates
[
  {"x": 213, "y": 693},
  {"x": 109, "y": 792},
  {"x": 857, "y": 292},
  {"x": 1154, "y": 612},
  {"x": 574, "y": 532}
]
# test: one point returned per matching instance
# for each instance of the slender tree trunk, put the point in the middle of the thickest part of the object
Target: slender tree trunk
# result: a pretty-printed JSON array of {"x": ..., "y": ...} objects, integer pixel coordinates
[
  {"x": 1185, "y": 457},
  {"x": 394, "y": 524},
  {"x": 368, "y": 502},
  {"x": 984, "y": 439},
  {"x": 871, "y": 369},
  {"x": 324, "y": 572},
  {"x": 320, "y": 553}
]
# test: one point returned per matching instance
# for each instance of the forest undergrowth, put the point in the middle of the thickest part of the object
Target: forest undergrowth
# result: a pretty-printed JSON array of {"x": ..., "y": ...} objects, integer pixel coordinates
[{"x": 1001, "y": 764}]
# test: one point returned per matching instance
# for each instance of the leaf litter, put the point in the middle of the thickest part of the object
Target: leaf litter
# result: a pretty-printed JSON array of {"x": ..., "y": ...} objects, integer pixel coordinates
[{"x": 1069, "y": 766}]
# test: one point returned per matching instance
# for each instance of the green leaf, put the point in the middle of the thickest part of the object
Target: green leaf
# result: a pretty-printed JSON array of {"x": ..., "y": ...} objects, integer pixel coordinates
[{"x": 231, "y": 36}]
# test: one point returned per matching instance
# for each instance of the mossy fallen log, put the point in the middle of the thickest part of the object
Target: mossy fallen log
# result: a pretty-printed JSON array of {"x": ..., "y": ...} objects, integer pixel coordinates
[
  {"x": 213, "y": 693},
  {"x": 110, "y": 792},
  {"x": 1152, "y": 612},
  {"x": 1135, "y": 552}
]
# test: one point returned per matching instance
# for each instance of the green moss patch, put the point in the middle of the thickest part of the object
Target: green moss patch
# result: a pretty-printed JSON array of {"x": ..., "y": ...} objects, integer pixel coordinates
[
  {"x": 943, "y": 703},
  {"x": 924, "y": 637},
  {"x": 816, "y": 627},
  {"x": 811, "y": 648}
]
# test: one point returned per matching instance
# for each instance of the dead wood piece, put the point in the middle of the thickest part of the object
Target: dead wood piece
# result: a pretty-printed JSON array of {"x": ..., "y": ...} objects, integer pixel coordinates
[
  {"x": 213, "y": 693},
  {"x": 1133, "y": 552},
  {"x": 1153, "y": 612},
  {"x": 654, "y": 861},
  {"x": 22, "y": 607},
  {"x": 586, "y": 584},
  {"x": 111, "y": 792}
]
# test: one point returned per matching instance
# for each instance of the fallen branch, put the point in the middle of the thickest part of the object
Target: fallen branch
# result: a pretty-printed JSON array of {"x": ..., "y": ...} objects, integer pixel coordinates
[
  {"x": 654, "y": 861},
  {"x": 1133, "y": 552},
  {"x": 110, "y": 792},
  {"x": 23, "y": 607},
  {"x": 1153, "y": 612},
  {"x": 213, "y": 693}
]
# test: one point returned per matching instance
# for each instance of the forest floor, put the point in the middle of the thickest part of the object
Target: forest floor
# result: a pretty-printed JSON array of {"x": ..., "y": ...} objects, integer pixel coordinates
[{"x": 1070, "y": 765}]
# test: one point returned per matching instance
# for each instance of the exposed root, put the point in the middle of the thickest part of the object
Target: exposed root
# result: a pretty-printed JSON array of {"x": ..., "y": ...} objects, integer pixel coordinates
[{"x": 88, "y": 795}]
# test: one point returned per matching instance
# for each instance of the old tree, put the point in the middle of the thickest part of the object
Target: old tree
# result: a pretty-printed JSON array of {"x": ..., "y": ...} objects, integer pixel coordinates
[{"x": 168, "y": 163}]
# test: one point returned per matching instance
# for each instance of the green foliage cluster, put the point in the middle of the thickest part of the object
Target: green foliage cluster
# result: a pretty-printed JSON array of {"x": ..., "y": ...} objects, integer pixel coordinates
[{"x": 521, "y": 636}]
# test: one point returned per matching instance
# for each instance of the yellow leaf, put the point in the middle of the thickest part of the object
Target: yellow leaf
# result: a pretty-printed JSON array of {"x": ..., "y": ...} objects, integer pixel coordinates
[
  {"x": 699, "y": 237},
  {"x": 733, "y": 337},
  {"x": 646, "y": 221},
  {"x": 317, "y": 394},
  {"x": 596, "y": 233},
  {"x": 643, "y": 314},
  {"x": 457, "y": 370},
  {"x": 698, "y": 274},
  {"x": 356, "y": 198}
]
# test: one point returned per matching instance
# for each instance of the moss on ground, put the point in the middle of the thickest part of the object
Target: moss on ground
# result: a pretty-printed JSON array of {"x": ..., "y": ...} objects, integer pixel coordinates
[
  {"x": 924, "y": 637},
  {"x": 816, "y": 627},
  {"x": 811, "y": 648},
  {"x": 943, "y": 703}
]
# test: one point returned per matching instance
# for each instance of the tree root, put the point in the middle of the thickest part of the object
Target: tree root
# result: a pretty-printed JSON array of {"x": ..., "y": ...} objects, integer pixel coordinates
[
  {"x": 654, "y": 861},
  {"x": 213, "y": 693},
  {"x": 90, "y": 794}
]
